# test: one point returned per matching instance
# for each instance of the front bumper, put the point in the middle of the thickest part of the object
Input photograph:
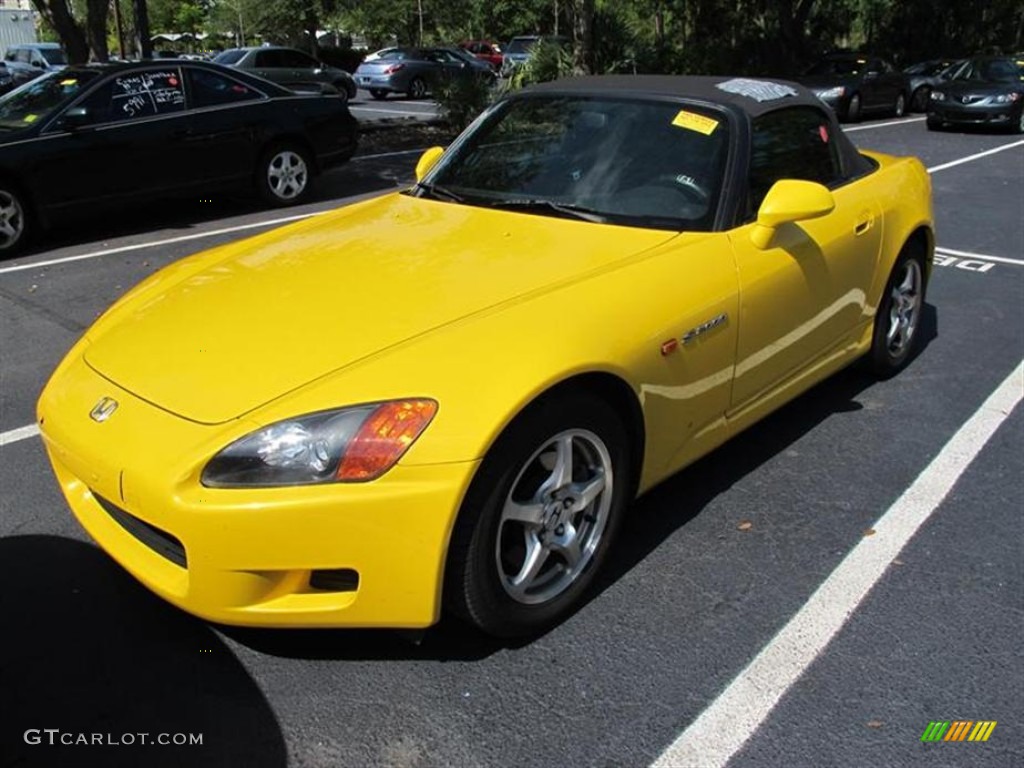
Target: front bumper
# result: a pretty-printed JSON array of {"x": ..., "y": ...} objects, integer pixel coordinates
[
  {"x": 995, "y": 115},
  {"x": 339, "y": 555}
]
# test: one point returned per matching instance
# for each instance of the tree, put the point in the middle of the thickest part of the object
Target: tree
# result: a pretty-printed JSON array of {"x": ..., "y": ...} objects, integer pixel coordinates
[{"x": 57, "y": 13}]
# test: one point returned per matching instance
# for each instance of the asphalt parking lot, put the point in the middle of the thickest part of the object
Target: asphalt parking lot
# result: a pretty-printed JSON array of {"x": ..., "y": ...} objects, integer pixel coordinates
[{"x": 708, "y": 641}]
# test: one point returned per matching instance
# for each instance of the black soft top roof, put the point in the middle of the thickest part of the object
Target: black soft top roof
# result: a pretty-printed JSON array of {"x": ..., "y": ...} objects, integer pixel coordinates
[{"x": 754, "y": 96}]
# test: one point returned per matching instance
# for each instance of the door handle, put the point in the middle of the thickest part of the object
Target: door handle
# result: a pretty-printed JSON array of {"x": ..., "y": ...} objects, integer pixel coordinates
[{"x": 864, "y": 223}]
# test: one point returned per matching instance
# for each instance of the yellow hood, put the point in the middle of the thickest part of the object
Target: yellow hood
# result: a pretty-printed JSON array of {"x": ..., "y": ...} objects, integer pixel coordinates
[{"x": 276, "y": 312}]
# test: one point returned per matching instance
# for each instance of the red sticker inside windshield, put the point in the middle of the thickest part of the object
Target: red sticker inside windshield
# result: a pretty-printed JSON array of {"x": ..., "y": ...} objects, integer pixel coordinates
[
  {"x": 173, "y": 81},
  {"x": 823, "y": 132}
]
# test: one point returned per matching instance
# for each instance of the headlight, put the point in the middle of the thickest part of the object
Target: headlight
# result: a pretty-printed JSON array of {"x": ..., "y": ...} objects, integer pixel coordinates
[
  {"x": 938, "y": 96},
  {"x": 831, "y": 93},
  {"x": 345, "y": 445},
  {"x": 1005, "y": 98}
]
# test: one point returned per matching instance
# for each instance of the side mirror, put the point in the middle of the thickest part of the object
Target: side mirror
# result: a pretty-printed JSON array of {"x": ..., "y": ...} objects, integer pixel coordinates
[
  {"x": 75, "y": 118},
  {"x": 427, "y": 161},
  {"x": 790, "y": 200}
]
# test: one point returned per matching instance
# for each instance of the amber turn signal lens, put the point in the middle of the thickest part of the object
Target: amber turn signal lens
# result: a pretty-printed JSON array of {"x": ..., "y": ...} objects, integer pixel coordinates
[{"x": 384, "y": 437}]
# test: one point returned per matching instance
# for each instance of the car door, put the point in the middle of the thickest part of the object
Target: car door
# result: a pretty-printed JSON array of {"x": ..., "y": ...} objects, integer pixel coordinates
[
  {"x": 804, "y": 296},
  {"x": 270, "y": 64},
  {"x": 226, "y": 116},
  {"x": 302, "y": 69},
  {"x": 133, "y": 144}
]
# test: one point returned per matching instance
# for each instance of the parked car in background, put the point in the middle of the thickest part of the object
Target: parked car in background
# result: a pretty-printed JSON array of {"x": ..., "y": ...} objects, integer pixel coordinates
[
  {"x": 6, "y": 78},
  {"x": 377, "y": 54},
  {"x": 96, "y": 136},
  {"x": 854, "y": 85},
  {"x": 924, "y": 76},
  {"x": 417, "y": 71},
  {"x": 288, "y": 67},
  {"x": 484, "y": 50},
  {"x": 27, "y": 61},
  {"x": 518, "y": 50},
  {"x": 306, "y": 446},
  {"x": 984, "y": 91}
]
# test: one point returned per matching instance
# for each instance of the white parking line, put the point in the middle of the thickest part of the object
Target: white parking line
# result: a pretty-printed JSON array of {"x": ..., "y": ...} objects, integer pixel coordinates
[
  {"x": 21, "y": 433},
  {"x": 976, "y": 156},
  {"x": 905, "y": 121},
  {"x": 157, "y": 243},
  {"x": 729, "y": 722},
  {"x": 978, "y": 256}
]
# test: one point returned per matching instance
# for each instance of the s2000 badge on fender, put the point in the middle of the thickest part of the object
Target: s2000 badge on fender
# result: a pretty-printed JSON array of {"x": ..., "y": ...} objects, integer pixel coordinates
[{"x": 104, "y": 409}]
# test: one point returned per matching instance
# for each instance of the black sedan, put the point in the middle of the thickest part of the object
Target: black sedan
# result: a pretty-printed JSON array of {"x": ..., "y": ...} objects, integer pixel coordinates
[
  {"x": 854, "y": 84},
  {"x": 99, "y": 135},
  {"x": 986, "y": 91}
]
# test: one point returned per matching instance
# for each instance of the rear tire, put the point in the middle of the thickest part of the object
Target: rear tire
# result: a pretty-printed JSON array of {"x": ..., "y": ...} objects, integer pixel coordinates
[
  {"x": 378, "y": 94},
  {"x": 417, "y": 88},
  {"x": 919, "y": 101},
  {"x": 539, "y": 517},
  {"x": 14, "y": 220},
  {"x": 284, "y": 175},
  {"x": 898, "y": 320}
]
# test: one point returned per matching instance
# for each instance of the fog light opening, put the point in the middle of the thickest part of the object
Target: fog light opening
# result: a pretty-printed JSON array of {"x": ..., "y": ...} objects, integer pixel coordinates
[{"x": 334, "y": 580}]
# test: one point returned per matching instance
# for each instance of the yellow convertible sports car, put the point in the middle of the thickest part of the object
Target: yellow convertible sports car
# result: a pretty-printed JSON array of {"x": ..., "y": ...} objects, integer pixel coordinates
[{"x": 448, "y": 397}]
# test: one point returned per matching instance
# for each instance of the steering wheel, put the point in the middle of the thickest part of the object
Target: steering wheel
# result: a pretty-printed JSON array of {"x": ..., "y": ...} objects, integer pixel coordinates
[{"x": 685, "y": 185}]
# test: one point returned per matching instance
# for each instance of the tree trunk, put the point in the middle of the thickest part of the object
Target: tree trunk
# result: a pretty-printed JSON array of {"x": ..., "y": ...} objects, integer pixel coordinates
[
  {"x": 57, "y": 14},
  {"x": 96, "y": 28},
  {"x": 583, "y": 37}
]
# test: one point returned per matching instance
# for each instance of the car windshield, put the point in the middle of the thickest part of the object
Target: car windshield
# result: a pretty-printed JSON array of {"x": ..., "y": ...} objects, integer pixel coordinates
[
  {"x": 521, "y": 45},
  {"x": 38, "y": 98},
  {"x": 837, "y": 67},
  {"x": 928, "y": 68},
  {"x": 53, "y": 56},
  {"x": 232, "y": 56},
  {"x": 994, "y": 71},
  {"x": 635, "y": 163},
  {"x": 459, "y": 53}
]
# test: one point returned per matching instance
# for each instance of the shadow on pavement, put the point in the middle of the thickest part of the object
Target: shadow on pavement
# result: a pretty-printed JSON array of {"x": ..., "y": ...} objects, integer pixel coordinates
[{"x": 87, "y": 650}]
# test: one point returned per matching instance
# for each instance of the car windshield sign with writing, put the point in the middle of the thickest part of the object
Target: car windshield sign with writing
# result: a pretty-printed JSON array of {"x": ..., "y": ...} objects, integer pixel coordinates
[
  {"x": 627, "y": 162},
  {"x": 39, "y": 98}
]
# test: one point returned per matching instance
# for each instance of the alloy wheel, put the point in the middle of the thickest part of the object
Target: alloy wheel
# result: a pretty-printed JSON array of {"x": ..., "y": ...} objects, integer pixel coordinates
[
  {"x": 554, "y": 516},
  {"x": 905, "y": 308},
  {"x": 12, "y": 220},
  {"x": 287, "y": 175}
]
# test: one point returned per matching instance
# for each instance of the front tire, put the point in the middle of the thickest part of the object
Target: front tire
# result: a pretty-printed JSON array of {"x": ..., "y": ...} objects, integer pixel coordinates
[
  {"x": 898, "y": 320},
  {"x": 284, "y": 175},
  {"x": 919, "y": 101},
  {"x": 378, "y": 94},
  {"x": 14, "y": 220},
  {"x": 853, "y": 109},
  {"x": 900, "y": 107},
  {"x": 539, "y": 518}
]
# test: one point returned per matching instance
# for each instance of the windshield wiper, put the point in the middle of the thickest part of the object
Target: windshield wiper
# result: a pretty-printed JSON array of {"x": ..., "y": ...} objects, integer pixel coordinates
[
  {"x": 566, "y": 209},
  {"x": 441, "y": 193}
]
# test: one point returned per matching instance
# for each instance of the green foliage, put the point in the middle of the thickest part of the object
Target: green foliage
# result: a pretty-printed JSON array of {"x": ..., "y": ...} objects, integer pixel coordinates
[
  {"x": 461, "y": 99},
  {"x": 548, "y": 61}
]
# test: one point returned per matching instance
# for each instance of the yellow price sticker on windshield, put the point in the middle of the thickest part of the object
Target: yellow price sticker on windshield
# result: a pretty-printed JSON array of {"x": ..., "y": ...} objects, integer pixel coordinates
[
  {"x": 694, "y": 122},
  {"x": 29, "y": 118},
  {"x": 71, "y": 81}
]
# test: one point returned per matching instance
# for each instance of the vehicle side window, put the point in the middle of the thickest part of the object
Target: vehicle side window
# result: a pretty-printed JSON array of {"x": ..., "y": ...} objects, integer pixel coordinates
[
  {"x": 136, "y": 95},
  {"x": 297, "y": 60},
  {"x": 792, "y": 143},
  {"x": 24, "y": 56},
  {"x": 11, "y": 56},
  {"x": 269, "y": 59},
  {"x": 209, "y": 89}
]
